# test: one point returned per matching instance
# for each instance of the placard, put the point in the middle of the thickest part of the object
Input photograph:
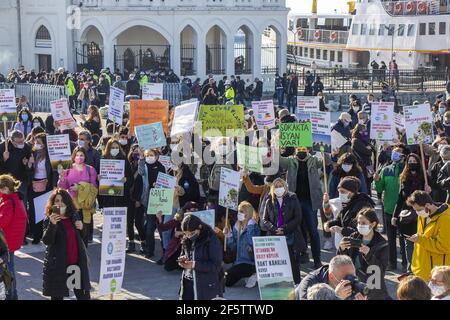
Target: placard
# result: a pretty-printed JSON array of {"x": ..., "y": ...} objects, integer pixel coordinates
[
  {"x": 221, "y": 120},
  {"x": 250, "y": 157},
  {"x": 116, "y": 102},
  {"x": 58, "y": 147},
  {"x": 153, "y": 91},
  {"x": 382, "y": 121},
  {"x": 229, "y": 188},
  {"x": 147, "y": 112},
  {"x": 207, "y": 216},
  {"x": 61, "y": 115},
  {"x": 418, "y": 124},
  {"x": 184, "y": 118},
  {"x": 295, "y": 134},
  {"x": 150, "y": 136},
  {"x": 160, "y": 200},
  {"x": 8, "y": 108},
  {"x": 321, "y": 131},
  {"x": 165, "y": 181},
  {"x": 112, "y": 172},
  {"x": 306, "y": 103},
  {"x": 264, "y": 114}
]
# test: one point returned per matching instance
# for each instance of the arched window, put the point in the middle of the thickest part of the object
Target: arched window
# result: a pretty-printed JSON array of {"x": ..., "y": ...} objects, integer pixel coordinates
[{"x": 43, "y": 38}]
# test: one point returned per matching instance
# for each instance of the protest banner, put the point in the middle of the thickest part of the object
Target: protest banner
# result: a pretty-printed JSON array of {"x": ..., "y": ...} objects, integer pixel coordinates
[
  {"x": 59, "y": 153},
  {"x": 418, "y": 124},
  {"x": 8, "y": 105},
  {"x": 166, "y": 162},
  {"x": 116, "y": 102},
  {"x": 305, "y": 103},
  {"x": 321, "y": 131},
  {"x": 40, "y": 203},
  {"x": 399, "y": 122},
  {"x": 264, "y": 114},
  {"x": 229, "y": 188},
  {"x": 184, "y": 118},
  {"x": 112, "y": 172},
  {"x": 112, "y": 264},
  {"x": 61, "y": 115},
  {"x": 382, "y": 121},
  {"x": 337, "y": 140},
  {"x": 165, "y": 181},
  {"x": 303, "y": 116},
  {"x": 295, "y": 134},
  {"x": 146, "y": 112},
  {"x": 273, "y": 268},
  {"x": 153, "y": 91},
  {"x": 221, "y": 120},
  {"x": 160, "y": 200},
  {"x": 207, "y": 216},
  {"x": 250, "y": 157},
  {"x": 150, "y": 136}
]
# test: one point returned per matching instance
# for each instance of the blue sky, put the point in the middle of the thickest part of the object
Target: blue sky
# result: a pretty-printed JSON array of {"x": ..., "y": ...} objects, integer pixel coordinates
[{"x": 324, "y": 6}]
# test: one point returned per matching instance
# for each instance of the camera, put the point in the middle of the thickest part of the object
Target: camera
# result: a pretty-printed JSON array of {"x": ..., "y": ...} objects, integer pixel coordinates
[
  {"x": 354, "y": 242},
  {"x": 357, "y": 286}
]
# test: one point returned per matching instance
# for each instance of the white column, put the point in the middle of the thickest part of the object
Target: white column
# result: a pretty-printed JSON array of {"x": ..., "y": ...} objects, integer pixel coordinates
[
  {"x": 108, "y": 53},
  {"x": 230, "y": 55},
  {"x": 282, "y": 52},
  {"x": 201, "y": 54},
  {"x": 256, "y": 55}
]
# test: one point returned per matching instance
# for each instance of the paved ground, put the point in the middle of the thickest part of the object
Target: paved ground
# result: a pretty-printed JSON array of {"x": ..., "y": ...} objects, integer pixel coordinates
[{"x": 144, "y": 279}]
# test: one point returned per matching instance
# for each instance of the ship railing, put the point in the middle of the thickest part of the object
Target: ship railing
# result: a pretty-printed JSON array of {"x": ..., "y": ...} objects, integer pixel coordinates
[
  {"x": 322, "y": 36},
  {"x": 417, "y": 7}
]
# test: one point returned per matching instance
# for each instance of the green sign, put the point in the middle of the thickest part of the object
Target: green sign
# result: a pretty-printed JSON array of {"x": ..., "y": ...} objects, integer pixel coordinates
[
  {"x": 250, "y": 157},
  {"x": 221, "y": 120},
  {"x": 160, "y": 200},
  {"x": 295, "y": 134}
]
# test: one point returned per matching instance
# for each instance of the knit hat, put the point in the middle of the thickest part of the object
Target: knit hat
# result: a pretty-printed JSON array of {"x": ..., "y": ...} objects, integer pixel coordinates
[{"x": 351, "y": 184}]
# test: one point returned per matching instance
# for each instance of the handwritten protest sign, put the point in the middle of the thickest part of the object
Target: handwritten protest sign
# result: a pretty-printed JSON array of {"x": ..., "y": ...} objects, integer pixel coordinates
[
  {"x": 153, "y": 91},
  {"x": 58, "y": 148},
  {"x": 112, "y": 265},
  {"x": 160, "y": 200},
  {"x": 116, "y": 102},
  {"x": 165, "y": 181},
  {"x": 221, "y": 120},
  {"x": 146, "y": 112},
  {"x": 150, "y": 136},
  {"x": 264, "y": 114},
  {"x": 184, "y": 118},
  {"x": 382, "y": 121},
  {"x": 229, "y": 188},
  {"x": 305, "y": 103},
  {"x": 295, "y": 134},
  {"x": 61, "y": 115},
  {"x": 8, "y": 105},
  {"x": 166, "y": 162},
  {"x": 418, "y": 124},
  {"x": 112, "y": 172},
  {"x": 273, "y": 268},
  {"x": 321, "y": 131}
]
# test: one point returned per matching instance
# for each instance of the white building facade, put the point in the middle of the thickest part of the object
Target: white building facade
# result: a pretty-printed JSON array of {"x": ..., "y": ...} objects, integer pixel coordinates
[{"x": 192, "y": 37}]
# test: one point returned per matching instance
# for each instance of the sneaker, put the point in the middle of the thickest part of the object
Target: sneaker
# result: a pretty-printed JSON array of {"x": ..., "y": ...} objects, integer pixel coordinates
[
  {"x": 328, "y": 245},
  {"x": 251, "y": 282}
]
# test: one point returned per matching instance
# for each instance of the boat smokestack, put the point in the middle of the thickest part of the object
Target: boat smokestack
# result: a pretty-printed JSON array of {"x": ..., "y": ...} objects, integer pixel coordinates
[{"x": 314, "y": 7}]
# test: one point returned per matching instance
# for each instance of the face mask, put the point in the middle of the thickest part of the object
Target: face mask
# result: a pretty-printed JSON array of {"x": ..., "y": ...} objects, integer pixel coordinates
[
  {"x": 344, "y": 197},
  {"x": 361, "y": 121},
  {"x": 241, "y": 216},
  {"x": 24, "y": 117},
  {"x": 36, "y": 124},
  {"x": 114, "y": 152},
  {"x": 81, "y": 143},
  {"x": 363, "y": 229},
  {"x": 38, "y": 146},
  {"x": 301, "y": 155},
  {"x": 150, "y": 160},
  {"x": 279, "y": 192},
  {"x": 422, "y": 213},
  {"x": 20, "y": 146},
  {"x": 62, "y": 210},
  {"x": 413, "y": 166},
  {"x": 441, "y": 110},
  {"x": 123, "y": 142},
  {"x": 396, "y": 156},
  {"x": 347, "y": 167},
  {"x": 79, "y": 160},
  {"x": 435, "y": 289}
]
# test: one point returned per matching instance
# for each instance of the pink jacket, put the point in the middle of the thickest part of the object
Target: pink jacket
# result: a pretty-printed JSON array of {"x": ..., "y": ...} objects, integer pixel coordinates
[{"x": 73, "y": 176}]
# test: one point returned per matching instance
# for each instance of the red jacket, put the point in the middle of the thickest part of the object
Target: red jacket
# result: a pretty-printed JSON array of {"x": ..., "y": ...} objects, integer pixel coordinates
[{"x": 13, "y": 220}]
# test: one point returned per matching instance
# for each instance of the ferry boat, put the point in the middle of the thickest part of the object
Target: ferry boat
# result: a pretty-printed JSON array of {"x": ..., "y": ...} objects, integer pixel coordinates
[{"x": 416, "y": 34}]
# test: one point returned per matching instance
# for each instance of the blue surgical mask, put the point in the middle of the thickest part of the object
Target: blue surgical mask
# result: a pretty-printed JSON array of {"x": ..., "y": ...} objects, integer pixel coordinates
[
  {"x": 442, "y": 110},
  {"x": 24, "y": 117},
  {"x": 396, "y": 156}
]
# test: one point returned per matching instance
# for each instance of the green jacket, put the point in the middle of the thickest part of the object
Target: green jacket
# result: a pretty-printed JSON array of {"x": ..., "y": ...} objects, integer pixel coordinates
[{"x": 390, "y": 183}]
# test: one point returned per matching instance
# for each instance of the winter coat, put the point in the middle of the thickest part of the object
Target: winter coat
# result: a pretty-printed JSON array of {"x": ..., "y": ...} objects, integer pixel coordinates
[
  {"x": 14, "y": 165},
  {"x": 344, "y": 131},
  {"x": 443, "y": 179},
  {"x": 335, "y": 179},
  {"x": 315, "y": 277},
  {"x": 244, "y": 244},
  {"x": 24, "y": 127},
  {"x": 13, "y": 220},
  {"x": 390, "y": 183},
  {"x": 55, "y": 261},
  {"x": 190, "y": 185},
  {"x": 133, "y": 88},
  {"x": 142, "y": 191},
  {"x": 438, "y": 193}
]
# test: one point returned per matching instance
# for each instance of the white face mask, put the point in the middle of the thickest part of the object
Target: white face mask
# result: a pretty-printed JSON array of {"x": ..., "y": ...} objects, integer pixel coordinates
[
  {"x": 38, "y": 146},
  {"x": 422, "y": 213},
  {"x": 361, "y": 121},
  {"x": 114, "y": 152},
  {"x": 62, "y": 210},
  {"x": 435, "y": 289},
  {"x": 344, "y": 197},
  {"x": 20, "y": 146},
  {"x": 355, "y": 108},
  {"x": 363, "y": 229},
  {"x": 150, "y": 160},
  {"x": 123, "y": 142},
  {"x": 36, "y": 124},
  {"x": 347, "y": 167},
  {"x": 81, "y": 143},
  {"x": 241, "y": 216},
  {"x": 279, "y": 192}
]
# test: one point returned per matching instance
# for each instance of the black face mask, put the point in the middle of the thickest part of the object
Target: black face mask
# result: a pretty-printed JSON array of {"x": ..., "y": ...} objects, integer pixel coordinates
[
  {"x": 302, "y": 155},
  {"x": 413, "y": 166}
]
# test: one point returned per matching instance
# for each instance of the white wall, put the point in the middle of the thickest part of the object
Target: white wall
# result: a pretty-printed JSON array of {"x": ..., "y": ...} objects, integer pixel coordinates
[{"x": 8, "y": 39}]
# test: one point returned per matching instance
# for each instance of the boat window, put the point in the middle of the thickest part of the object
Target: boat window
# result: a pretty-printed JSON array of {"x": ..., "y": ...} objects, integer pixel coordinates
[
  {"x": 332, "y": 53},
  {"x": 422, "y": 29},
  {"x": 381, "y": 30},
  {"x": 363, "y": 29},
  {"x": 325, "y": 54},
  {"x": 317, "y": 53},
  {"x": 401, "y": 30},
  {"x": 442, "y": 27},
  {"x": 340, "y": 56},
  {"x": 355, "y": 29},
  {"x": 432, "y": 28},
  {"x": 391, "y": 30},
  {"x": 372, "y": 29},
  {"x": 411, "y": 30}
]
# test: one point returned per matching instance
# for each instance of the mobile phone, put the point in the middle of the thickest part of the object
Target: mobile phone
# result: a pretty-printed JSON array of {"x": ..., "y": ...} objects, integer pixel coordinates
[{"x": 55, "y": 210}]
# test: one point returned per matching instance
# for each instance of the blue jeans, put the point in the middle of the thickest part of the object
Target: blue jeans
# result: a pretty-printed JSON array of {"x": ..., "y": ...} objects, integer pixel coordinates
[
  {"x": 12, "y": 293},
  {"x": 311, "y": 222},
  {"x": 280, "y": 96},
  {"x": 409, "y": 250}
]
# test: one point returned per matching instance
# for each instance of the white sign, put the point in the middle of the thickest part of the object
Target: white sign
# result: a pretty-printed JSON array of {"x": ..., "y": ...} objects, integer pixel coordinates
[
  {"x": 418, "y": 124},
  {"x": 116, "y": 102},
  {"x": 184, "y": 118},
  {"x": 264, "y": 114},
  {"x": 58, "y": 147},
  {"x": 382, "y": 121},
  {"x": 112, "y": 266},
  {"x": 166, "y": 162},
  {"x": 39, "y": 206},
  {"x": 308, "y": 103},
  {"x": 337, "y": 140},
  {"x": 229, "y": 188},
  {"x": 165, "y": 181},
  {"x": 8, "y": 105},
  {"x": 112, "y": 172},
  {"x": 61, "y": 115},
  {"x": 273, "y": 268},
  {"x": 153, "y": 91}
]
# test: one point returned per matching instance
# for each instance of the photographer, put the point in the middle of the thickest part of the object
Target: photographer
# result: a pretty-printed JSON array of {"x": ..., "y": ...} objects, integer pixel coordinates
[
  {"x": 367, "y": 247},
  {"x": 340, "y": 275}
]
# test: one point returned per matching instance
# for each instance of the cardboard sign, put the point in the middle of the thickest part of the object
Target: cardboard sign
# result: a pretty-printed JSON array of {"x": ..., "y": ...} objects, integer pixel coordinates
[
  {"x": 382, "y": 121},
  {"x": 160, "y": 200},
  {"x": 116, "y": 102},
  {"x": 321, "y": 131},
  {"x": 337, "y": 140},
  {"x": 418, "y": 124},
  {"x": 153, "y": 91},
  {"x": 150, "y": 136},
  {"x": 112, "y": 173},
  {"x": 221, "y": 120},
  {"x": 8, "y": 107},
  {"x": 165, "y": 181},
  {"x": 295, "y": 135},
  {"x": 229, "y": 188},
  {"x": 147, "y": 112},
  {"x": 58, "y": 148},
  {"x": 308, "y": 103},
  {"x": 112, "y": 265},
  {"x": 40, "y": 203},
  {"x": 61, "y": 115},
  {"x": 184, "y": 118},
  {"x": 264, "y": 114}
]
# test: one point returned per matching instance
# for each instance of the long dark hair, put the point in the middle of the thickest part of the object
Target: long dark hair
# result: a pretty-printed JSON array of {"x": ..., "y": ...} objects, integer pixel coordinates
[
  {"x": 348, "y": 158},
  {"x": 191, "y": 223},
  {"x": 406, "y": 175},
  {"x": 66, "y": 198}
]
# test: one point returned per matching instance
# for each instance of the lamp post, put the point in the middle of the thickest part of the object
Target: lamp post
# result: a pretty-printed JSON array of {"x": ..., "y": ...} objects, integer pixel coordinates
[{"x": 394, "y": 30}]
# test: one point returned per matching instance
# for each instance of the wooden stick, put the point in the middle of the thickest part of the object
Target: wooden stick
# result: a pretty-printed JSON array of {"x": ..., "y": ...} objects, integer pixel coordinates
[
  {"x": 375, "y": 168},
  {"x": 6, "y": 130},
  {"x": 325, "y": 183},
  {"x": 226, "y": 225},
  {"x": 423, "y": 164},
  {"x": 111, "y": 296}
]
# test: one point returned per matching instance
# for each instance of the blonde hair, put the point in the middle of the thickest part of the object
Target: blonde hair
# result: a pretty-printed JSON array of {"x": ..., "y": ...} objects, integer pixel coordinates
[
  {"x": 250, "y": 213},
  {"x": 445, "y": 272},
  {"x": 7, "y": 180},
  {"x": 273, "y": 187}
]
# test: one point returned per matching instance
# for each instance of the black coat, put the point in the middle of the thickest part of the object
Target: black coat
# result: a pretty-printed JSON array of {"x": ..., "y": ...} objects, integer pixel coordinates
[
  {"x": 133, "y": 88},
  {"x": 347, "y": 217},
  {"x": 55, "y": 261},
  {"x": 207, "y": 252},
  {"x": 14, "y": 165},
  {"x": 444, "y": 179},
  {"x": 190, "y": 185},
  {"x": 123, "y": 201},
  {"x": 377, "y": 256},
  {"x": 438, "y": 193}
]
